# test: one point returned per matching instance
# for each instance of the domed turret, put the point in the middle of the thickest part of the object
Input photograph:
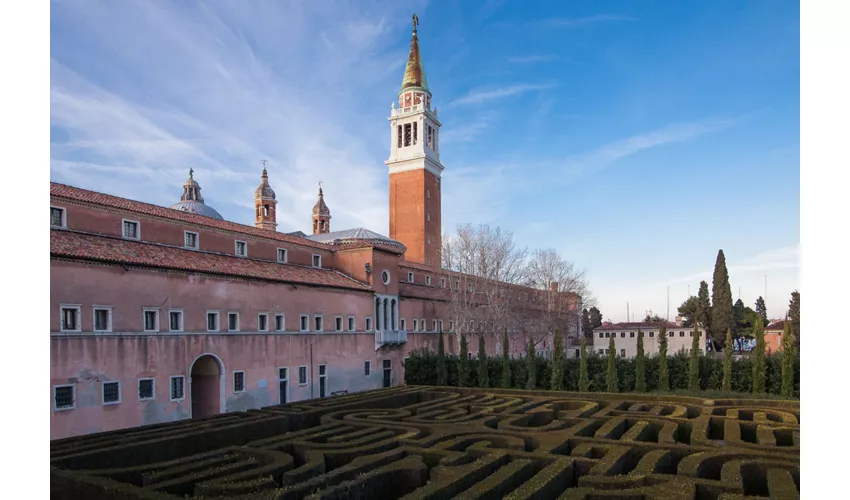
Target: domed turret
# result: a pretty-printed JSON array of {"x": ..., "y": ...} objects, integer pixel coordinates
[
  {"x": 321, "y": 215},
  {"x": 265, "y": 203},
  {"x": 192, "y": 201}
]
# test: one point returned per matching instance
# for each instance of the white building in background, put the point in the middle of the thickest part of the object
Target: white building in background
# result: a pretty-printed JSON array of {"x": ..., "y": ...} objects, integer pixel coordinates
[{"x": 679, "y": 338}]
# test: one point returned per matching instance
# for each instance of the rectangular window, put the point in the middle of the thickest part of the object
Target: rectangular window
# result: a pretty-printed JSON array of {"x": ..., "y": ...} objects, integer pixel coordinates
[
  {"x": 351, "y": 324},
  {"x": 302, "y": 375},
  {"x": 241, "y": 249},
  {"x": 601, "y": 351},
  {"x": 631, "y": 334},
  {"x": 403, "y": 324},
  {"x": 103, "y": 319},
  {"x": 415, "y": 325},
  {"x": 63, "y": 397},
  {"x": 399, "y": 136},
  {"x": 151, "y": 320},
  {"x": 692, "y": 333},
  {"x": 367, "y": 368},
  {"x": 281, "y": 255},
  {"x": 338, "y": 323},
  {"x": 410, "y": 277},
  {"x": 233, "y": 322},
  {"x": 451, "y": 326},
  {"x": 263, "y": 322},
  {"x": 442, "y": 282},
  {"x": 111, "y": 393},
  {"x": 407, "y": 134},
  {"x": 177, "y": 388},
  {"x": 433, "y": 325},
  {"x": 305, "y": 323},
  {"x": 622, "y": 353},
  {"x": 441, "y": 325},
  {"x": 600, "y": 335},
  {"x": 175, "y": 321},
  {"x": 283, "y": 373},
  {"x": 130, "y": 229},
  {"x": 190, "y": 240},
  {"x": 651, "y": 334},
  {"x": 681, "y": 334},
  {"x": 387, "y": 364},
  {"x": 323, "y": 370},
  {"x": 318, "y": 323},
  {"x": 279, "y": 323},
  {"x": 146, "y": 388},
  {"x": 57, "y": 217},
  {"x": 415, "y": 132},
  {"x": 428, "y": 280},
  {"x": 368, "y": 324},
  {"x": 607, "y": 335},
  {"x": 212, "y": 321},
  {"x": 239, "y": 381},
  {"x": 69, "y": 318},
  {"x": 578, "y": 353},
  {"x": 317, "y": 260}
]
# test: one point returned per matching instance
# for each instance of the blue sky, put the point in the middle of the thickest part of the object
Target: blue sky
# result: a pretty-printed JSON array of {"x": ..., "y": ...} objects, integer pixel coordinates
[{"x": 636, "y": 139}]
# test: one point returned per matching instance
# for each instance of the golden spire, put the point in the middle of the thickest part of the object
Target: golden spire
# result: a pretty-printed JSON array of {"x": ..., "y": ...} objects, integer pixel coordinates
[{"x": 414, "y": 73}]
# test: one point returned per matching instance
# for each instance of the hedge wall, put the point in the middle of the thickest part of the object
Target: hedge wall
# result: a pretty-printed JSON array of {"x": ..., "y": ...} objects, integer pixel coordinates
[{"x": 421, "y": 369}]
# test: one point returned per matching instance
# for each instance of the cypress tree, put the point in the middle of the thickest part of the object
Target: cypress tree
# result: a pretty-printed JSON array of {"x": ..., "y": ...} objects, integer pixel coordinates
[
  {"x": 463, "y": 363},
  {"x": 557, "y": 383},
  {"x": 582, "y": 366},
  {"x": 483, "y": 376},
  {"x": 693, "y": 365},
  {"x": 640, "y": 368},
  {"x": 703, "y": 312},
  {"x": 506, "y": 361},
  {"x": 611, "y": 375},
  {"x": 722, "y": 314},
  {"x": 727, "y": 361},
  {"x": 531, "y": 363},
  {"x": 794, "y": 316},
  {"x": 787, "y": 360},
  {"x": 758, "y": 357},
  {"x": 442, "y": 370},
  {"x": 663, "y": 376}
]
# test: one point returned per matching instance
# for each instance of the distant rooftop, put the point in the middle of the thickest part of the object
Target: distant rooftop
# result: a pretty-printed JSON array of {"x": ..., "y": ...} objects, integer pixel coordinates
[{"x": 352, "y": 235}]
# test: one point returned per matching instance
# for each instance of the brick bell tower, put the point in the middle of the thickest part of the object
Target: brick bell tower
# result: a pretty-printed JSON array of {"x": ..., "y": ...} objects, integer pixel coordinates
[
  {"x": 265, "y": 203},
  {"x": 414, "y": 165}
]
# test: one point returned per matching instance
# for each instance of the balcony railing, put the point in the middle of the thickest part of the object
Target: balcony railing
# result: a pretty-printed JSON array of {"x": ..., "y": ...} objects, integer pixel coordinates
[{"x": 389, "y": 337}]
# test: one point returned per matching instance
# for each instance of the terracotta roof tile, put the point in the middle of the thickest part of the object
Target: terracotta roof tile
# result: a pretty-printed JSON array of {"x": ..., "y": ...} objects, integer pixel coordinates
[
  {"x": 779, "y": 325},
  {"x": 84, "y": 195},
  {"x": 70, "y": 244},
  {"x": 635, "y": 326}
]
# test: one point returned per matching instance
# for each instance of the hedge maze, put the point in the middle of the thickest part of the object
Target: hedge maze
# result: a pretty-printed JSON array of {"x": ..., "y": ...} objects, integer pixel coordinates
[{"x": 421, "y": 442}]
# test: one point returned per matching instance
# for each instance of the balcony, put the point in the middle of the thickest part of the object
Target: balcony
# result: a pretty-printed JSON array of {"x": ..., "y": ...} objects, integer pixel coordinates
[{"x": 390, "y": 338}]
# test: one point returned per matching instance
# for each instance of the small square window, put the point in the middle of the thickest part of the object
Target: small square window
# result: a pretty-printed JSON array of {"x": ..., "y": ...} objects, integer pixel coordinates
[
  {"x": 651, "y": 334},
  {"x": 57, "y": 217},
  {"x": 190, "y": 240},
  {"x": 367, "y": 368},
  {"x": 368, "y": 324},
  {"x": 239, "y": 381},
  {"x": 263, "y": 322},
  {"x": 63, "y": 397},
  {"x": 410, "y": 277},
  {"x": 631, "y": 334},
  {"x": 241, "y": 249},
  {"x": 111, "y": 393},
  {"x": 317, "y": 260},
  {"x": 318, "y": 323},
  {"x": 681, "y": 334},
  {"x": 283, "y": 373},
  {"x": 130, "y": 229},
  {"x": 428, "y": 280},
  {"x": 352, "y": 326},
  {"x": 212, "y": 321},
  {"x": 305, "y": 323},
  {"x": 175, "y": 321},
  {"x": 387, "y": 364},
  {"x": 177, "y": 388},
  {"x": 279, "y": 323},
  {"x": 103, "y": 319},
  {"x": 671, "y": 334},
  {"x": 323, "y": 370},
  {"x": 69, "y": 318},
  {"x": 302, "y": 375},
  {"x": 233, "y": 322},
  {"x": 151, "y": 320},
  {"x": 146, "y": 388},
  {"x": 281, "y": 255}
]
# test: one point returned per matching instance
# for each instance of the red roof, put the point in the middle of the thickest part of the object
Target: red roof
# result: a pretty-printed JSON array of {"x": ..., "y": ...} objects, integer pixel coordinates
[
  {"x": 71, "y": 244},
  {"x": 84, "y": 195},
  {"x": 779, "y": 325},
  {"x": 636, "y": 326}
]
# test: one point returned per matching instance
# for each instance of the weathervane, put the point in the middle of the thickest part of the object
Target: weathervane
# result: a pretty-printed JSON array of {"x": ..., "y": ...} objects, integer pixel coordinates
[
  {"x": 264, "y": 163},
  {"x": 415, "y": 22}
]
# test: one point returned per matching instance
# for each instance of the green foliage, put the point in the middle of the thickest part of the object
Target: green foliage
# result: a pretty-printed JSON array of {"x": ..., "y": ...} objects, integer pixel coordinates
[
  {"x": 689, "y": 310},
  {"x": 787, "y": 361},
  {"x": 463, "y": 365},
  {"x": 722, "y": 315},
  {"x": 640, "y": 365},
  {"x": 653, "y": 319},
  {"x": 586, "y": 325},
  {"x": 442, "y": 372},
  {"x": 506, "y": 361},
  {"x": 611, "y": 377},
  {"x": 663, "y": 376},
  {"x": 745, "y": 319},
  {"x": 727, "y": 362},
  {"x": 761, "y": 309},
  {"x": 483, "y": 375},
  {"x": 693, "y": 362},
  {"x": 557, "y": 383},
  {"x": 595, "y": 318},
  {"x": 582, "y": 369},
  {"x": 758, "y": 359},
  {"x": 531, "y": 365},
  {"x": 794, "y": 316}
]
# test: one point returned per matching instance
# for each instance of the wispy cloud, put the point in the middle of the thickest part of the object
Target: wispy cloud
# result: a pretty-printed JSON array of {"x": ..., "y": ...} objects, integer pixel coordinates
[
  {"x": 533, "y": 59},
  {"x": 468, "y": 130},
  {"x": 574, "y": 22},
  {"x": 482, "y": 95},
  {"x": 768, "y": 260}
]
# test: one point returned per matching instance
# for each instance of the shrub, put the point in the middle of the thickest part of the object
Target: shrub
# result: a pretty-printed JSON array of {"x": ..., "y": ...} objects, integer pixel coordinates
[
  {"x": 463, "y": 366},
  {"x": 611, "y": 376},
  {"x": 582, "y": 371},
  {"x": 663, "y": 376},
  {"x": 640, "y": 368},
  {"x": 483, "y": 375}
]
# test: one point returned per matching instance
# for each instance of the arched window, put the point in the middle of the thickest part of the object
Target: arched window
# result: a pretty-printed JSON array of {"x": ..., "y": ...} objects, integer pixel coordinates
[
  {"x": 392, "y": 315},
  {"x": 265, "y": 210}
]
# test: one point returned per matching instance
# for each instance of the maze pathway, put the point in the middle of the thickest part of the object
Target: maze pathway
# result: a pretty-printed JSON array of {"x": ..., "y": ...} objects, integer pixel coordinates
[{"x": 448, "y": 443}]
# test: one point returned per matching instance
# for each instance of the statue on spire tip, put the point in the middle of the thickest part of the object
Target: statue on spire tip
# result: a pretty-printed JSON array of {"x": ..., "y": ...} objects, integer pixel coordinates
[
  {"x": 191, "y": 172},
  {"x": 415, "y": 22}
]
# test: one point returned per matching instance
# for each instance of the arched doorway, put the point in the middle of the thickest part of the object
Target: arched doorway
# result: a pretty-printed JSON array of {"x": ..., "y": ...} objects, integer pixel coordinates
[{"x": 207, "y": 386}]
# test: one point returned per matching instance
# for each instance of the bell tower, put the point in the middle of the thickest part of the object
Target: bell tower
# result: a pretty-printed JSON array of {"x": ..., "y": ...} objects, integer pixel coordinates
[
  {"x": 414, "y": 164},
  {"x": 321, "y": 215},
  {"x": 265, "y": 203}
]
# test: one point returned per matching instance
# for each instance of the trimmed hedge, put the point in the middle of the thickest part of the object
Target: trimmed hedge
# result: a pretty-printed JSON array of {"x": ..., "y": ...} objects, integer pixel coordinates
[{"x": 421, "y": 369}]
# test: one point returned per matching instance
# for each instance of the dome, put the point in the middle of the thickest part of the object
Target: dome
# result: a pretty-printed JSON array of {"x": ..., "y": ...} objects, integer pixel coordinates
[
  {"x": 264, "y": 190},
  {"x": 355, "y": 235},
  {"x": 196, "y": 207},
  {"x": 320, "y": 208}
]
